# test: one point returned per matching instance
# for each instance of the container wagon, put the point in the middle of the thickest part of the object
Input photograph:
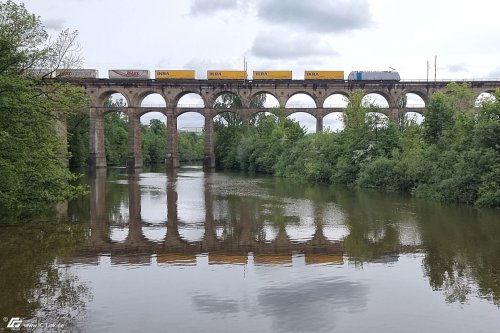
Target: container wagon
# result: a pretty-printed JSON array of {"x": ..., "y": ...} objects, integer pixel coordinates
[
  {"x": 324, "y": 75},
  {"x": 226, "y": 75},
  {"x": 174, "y": 74},
  {"x": 77, "y": 73},
  {"x": 272, "y": 75},
  {"x": 128, "y": 74},
  {"x": 374, "y": 76},
  {"x": 39, "y": 73}
]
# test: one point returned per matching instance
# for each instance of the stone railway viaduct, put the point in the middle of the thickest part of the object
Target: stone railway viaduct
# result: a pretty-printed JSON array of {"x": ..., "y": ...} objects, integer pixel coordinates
[{"x": 135, "y": 91}]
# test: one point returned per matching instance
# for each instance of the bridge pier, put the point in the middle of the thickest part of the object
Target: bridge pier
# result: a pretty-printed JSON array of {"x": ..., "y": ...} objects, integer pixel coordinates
[
  {"x": 209, "y": 155},
  {"x": 172, "y": 158},
  {"x": 97, "y": 154},
  {"x": 319, "y": 124},
  {"x": 134, "y": 158}
]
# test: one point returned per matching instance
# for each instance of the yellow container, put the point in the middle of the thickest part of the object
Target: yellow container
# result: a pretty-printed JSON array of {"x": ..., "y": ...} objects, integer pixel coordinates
[
  {"x": 324, "y": 75},
  {"x": 226, "y": 75},
  {"x": 221, "y": 259},
  {"x": 272, "y": 75},
  {"x": 174, "y": 74}
]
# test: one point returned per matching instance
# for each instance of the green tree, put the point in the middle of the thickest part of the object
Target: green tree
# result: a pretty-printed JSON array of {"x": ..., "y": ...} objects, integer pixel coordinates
[{"x": 32, "y": 167}]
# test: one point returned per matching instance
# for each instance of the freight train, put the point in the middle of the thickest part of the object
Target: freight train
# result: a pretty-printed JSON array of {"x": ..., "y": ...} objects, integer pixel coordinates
[{"x": 142, "y": 74}]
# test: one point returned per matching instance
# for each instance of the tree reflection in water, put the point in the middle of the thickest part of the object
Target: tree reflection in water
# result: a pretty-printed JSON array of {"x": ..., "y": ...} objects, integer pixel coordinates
[{"x": 34, "y": 284}]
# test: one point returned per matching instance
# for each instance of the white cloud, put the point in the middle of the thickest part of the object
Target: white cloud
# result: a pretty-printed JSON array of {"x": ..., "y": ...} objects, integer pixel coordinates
[
  {"x": 460, "y": 67},
  {"x": 280, "y": 45},
  {"x": 319, "y": 15},
  {"x": 206, "y": 7}
]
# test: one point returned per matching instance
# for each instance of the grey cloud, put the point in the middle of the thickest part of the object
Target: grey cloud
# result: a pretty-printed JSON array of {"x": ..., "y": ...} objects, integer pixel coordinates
[
  {"x": 457, "y": 67},
  {"x": 211, "y": 304},
  {"x": 317, "y": 300},
  {"x": 54, "y": 24},
  {"x": 201, "y": 7},
  {"x": 283, "y": 46},
  {"x": 318, "y": 15}
]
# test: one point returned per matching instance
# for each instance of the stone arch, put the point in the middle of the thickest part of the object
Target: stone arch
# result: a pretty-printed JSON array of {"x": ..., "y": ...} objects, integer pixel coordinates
[
  {"x": 377, "y": 101},
  {"x": 267, "y": 92},
  {"x": 333, "y": 122},
  {"x": 195, "y": 120},
  {"x": 302, "y": 92},
  {"x": 216, "y": 96},
  {"x": 141, "y": 97},
  {"x": 414, "y": 115},
  {"x": 413, "y": 103},
  {"x": 379, "y": 119},
  {"x": 335, "y": 101},
  {"x": 305, "y": 119},
  {"x": 179, "y": 96},
  {"x": 252, "y": 116},
  {"x": 106, "y": 94},
  {"x": 423, "y": 95},
  {"x": 233, "y": 116}
]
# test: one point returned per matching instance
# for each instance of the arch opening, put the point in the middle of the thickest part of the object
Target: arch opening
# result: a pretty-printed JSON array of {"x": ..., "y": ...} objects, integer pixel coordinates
[
  {"x": 484, "y": 97},
  {"x": 115, "y": 101},
  {"x": 374, "y": 99},
  {"x": 333, "y": 122},
  {"x": 153, "y": 138},
  {"x": 190, "y": 100},
  {"x": 190, "y": 139},
  {"x": 300, "y": 101},
  {"x": 413, "y": 117},
  {"x": 412, "y": 100},
  {"x": 227, "y": 118},
  {"x": 377, "y": 120},
  {"x": 264, "y": 100},
  {"x": 116, "y": 130},
  {"x": 153, "y": 131},
  {"x": 228, "y": 100},
  {"x": 336, "y": 101},
  {"x": 153, "y": 100},
  {"x": 305, "y": 120}
]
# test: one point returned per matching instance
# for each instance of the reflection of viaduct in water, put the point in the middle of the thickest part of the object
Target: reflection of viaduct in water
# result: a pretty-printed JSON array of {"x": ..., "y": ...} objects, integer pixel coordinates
[{"x": 173, "y": 246}]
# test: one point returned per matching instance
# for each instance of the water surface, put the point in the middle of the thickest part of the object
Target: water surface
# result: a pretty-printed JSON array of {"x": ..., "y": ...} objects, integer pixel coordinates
[{"x": 189, "y": 251}]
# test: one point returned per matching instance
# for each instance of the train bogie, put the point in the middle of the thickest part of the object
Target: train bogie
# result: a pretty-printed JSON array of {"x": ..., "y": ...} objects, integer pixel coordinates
[
  {"x": 272, "y": 75},
  {"x": 374, "y": 76},
  {"x": 175, "y": 74},
  {"x": 226, "y": 75},
  {"x": 128, "y": 74}
]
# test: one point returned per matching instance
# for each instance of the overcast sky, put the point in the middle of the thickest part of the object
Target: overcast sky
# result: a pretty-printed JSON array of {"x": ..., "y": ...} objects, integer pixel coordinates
[{"x": 293, "y": 35}]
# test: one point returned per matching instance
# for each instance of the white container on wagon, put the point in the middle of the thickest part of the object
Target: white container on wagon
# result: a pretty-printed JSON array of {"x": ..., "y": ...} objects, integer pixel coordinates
[
  {"x": 128, "y": 74},
  {"x": 77, "y": 73}
]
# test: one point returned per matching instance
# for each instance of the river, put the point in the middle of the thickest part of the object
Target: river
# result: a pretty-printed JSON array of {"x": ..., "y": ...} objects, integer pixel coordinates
[{"x": 189, "y": 251}]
